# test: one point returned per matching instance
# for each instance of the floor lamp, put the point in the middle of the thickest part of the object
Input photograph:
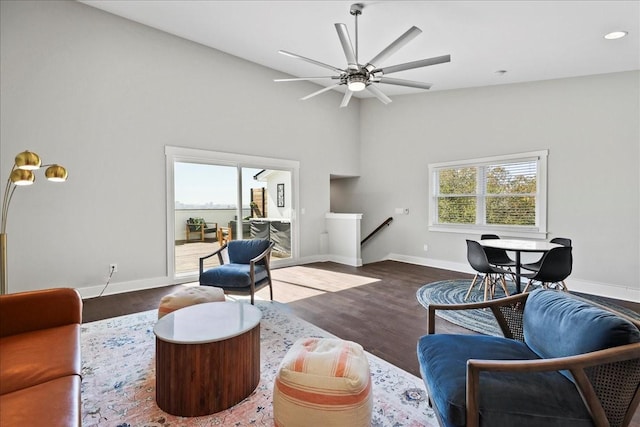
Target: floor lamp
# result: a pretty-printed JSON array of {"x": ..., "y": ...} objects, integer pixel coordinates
[{"x": 22, "y": 174}]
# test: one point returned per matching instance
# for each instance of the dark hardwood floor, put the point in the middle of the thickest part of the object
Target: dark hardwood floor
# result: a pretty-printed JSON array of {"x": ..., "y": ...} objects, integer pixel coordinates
[{"x": 374, "y": 305}]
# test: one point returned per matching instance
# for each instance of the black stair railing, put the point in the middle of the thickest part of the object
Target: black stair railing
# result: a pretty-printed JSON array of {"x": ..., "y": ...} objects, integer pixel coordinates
[{"x": 377, "y": 230}]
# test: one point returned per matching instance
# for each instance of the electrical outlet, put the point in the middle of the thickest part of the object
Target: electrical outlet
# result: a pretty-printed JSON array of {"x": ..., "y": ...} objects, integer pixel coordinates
[{"x": 113, "y": 268}]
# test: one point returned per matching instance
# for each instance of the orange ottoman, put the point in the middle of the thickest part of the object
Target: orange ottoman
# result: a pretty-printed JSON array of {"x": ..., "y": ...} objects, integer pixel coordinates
[
  {"x": 323, "y": 382},
  {"x": 189, "y": 296}
]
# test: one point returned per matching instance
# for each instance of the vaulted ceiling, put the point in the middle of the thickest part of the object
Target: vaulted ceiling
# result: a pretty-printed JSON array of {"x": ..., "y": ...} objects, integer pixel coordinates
[{"x": 490, "y": 42}]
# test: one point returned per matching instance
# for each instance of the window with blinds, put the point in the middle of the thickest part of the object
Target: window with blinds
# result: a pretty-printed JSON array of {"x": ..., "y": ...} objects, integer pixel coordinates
[{"x": 499, "y": 193}]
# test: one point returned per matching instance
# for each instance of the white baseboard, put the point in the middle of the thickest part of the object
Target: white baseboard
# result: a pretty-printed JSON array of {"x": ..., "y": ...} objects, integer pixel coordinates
[
  {"x": 354, "y": 262},
  {"x": 312, "y": 259},
  {"x": 289, "y": 262},
  {"x": 133, "y": 285},
  {"x": 608, "y": 290},
  {"x": 430, "y": 262}
]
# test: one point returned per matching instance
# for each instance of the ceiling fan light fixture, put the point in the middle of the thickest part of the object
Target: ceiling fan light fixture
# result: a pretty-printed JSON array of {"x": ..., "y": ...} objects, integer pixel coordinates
[
  {"x": 614, "y": 35},
  {"x": 356, "y": 82}
]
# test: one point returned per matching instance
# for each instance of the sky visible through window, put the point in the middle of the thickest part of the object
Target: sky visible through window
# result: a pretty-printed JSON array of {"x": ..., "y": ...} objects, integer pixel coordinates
[{"x": 202, "y": 186}]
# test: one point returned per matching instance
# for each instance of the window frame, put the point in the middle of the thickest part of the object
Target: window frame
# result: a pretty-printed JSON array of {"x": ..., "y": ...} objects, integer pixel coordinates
[{"x": 539, "y": 230}]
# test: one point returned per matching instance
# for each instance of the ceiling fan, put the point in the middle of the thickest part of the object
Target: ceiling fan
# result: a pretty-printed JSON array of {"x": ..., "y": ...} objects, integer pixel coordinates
[{"x": 358, "y": 77}]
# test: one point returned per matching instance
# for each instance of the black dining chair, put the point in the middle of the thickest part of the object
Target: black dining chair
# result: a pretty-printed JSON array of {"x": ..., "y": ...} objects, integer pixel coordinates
[
  {"x": 535, "y": 266},
  {"x": 497, "y": 256},
  {"x": 555, "y": 267},
  {"x": 478, "y": 260}
]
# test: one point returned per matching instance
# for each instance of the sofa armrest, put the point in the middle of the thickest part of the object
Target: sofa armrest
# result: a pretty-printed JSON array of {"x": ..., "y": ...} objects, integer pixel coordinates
[
  {"x": 623, "y": 359},
  {"x": 507, "y": 311},
  {"x": 34, "y": 310}
]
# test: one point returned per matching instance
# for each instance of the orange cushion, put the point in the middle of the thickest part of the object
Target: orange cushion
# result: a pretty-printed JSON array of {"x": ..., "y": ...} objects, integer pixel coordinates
[
  {"x": 53, "y": 403},
  {"x": 35, "y": 357}
]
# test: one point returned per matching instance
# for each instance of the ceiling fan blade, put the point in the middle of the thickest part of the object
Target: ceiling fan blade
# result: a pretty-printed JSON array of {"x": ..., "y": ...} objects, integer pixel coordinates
[
  {"x": 409, "y": 35},
  {"x": 414, "y": 64},
  {"x": 320, "y": 91},
  {"x": 402, "y": 82},
  {"x": 312, "y": 61},
  {"x": 347, "y": 47},
  {"x": 296, "y": 79},
  {"x": 378, "y": 93},
  {"x": 346, "y": 98}
]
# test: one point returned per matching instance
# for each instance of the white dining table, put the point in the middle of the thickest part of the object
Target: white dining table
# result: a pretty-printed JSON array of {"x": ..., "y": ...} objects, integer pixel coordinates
[{"x": 519, "y": 246}]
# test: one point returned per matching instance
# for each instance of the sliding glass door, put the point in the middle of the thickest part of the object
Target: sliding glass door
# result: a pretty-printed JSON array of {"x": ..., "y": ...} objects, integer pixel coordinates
[
  {"x": 216, "y": 197},
  {"x": 205, "y": 202}
]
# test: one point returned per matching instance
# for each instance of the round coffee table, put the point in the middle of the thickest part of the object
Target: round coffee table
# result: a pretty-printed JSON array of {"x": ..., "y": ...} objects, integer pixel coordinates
[{"x": 207, "y": 357}]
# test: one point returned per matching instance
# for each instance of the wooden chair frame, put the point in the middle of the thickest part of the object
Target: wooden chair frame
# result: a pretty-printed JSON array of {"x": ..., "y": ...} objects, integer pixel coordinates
[
  {"x": 205, "y": 228},
  {"x": 592, "y": 372},
  {"x": 224, "y": 235}
]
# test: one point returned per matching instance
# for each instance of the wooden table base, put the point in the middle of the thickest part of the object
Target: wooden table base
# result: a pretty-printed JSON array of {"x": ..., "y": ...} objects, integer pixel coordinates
[{"x": 201, "y": 379}]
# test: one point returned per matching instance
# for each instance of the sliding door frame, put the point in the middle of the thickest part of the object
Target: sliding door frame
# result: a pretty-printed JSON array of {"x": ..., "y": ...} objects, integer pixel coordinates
[{"x": 175, "y": 154}]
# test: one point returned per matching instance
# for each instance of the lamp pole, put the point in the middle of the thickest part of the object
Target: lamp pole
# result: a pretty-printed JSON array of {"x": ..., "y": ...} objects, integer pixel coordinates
[
  {"x": 3, "y": 256},
  {"x": 21, "y": 174}
]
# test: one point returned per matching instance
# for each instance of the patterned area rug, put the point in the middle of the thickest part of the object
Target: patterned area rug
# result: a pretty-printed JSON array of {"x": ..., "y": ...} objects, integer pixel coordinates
[
  {"x": 118, "y": 384},
  {"x": 453, "y": 292}
]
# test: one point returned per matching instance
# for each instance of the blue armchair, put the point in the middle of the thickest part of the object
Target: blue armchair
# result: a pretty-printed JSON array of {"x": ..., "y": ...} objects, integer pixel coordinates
[
  {"x": 247, "y": 270},
  {"x": 562, "y": 362}
]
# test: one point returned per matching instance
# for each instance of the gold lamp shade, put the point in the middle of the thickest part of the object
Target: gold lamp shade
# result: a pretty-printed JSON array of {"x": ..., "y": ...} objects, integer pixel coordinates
[
  {"x": 56, "y": 173},
  {"x": 28, "y": 160},
  {"x": 22, "y": 177}
]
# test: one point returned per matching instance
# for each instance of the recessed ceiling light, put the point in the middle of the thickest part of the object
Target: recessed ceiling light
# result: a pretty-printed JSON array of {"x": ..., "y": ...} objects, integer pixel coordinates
[{"x": 615, "y": 35}]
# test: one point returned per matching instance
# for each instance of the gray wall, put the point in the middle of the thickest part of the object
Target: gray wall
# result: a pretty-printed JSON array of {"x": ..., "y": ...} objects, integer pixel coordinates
[
  {"x": 103, "y": 96},
  {"x": 590, "y": 126}
]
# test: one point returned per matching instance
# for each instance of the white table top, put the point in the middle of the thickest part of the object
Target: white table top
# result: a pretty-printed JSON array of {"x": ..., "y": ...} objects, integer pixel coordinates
[
  {"x": 208, "y": 322},
  {"x": 519, "y": 245}
]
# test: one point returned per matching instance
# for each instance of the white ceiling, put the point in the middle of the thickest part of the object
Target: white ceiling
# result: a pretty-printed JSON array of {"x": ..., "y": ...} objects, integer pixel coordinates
[{"x": 531, "y": 40}]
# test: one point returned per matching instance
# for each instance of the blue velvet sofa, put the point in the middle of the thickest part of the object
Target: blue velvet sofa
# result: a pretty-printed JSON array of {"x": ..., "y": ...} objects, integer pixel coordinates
[{"x": 562, "y": 362}]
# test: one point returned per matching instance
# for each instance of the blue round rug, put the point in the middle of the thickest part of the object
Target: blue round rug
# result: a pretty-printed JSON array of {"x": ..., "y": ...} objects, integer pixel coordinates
[{"x": 453, "y": 292}]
